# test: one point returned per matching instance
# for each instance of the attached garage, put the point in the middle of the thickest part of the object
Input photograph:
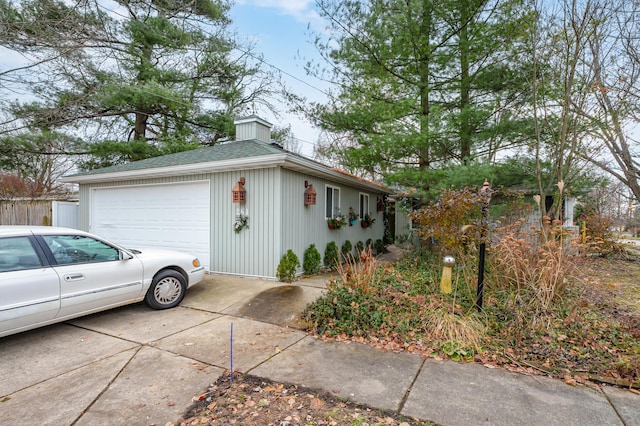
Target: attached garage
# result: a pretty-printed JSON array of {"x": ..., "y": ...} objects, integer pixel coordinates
[
  {"x": 187, "y": 201},
  {"x": 172, "y": 215}
]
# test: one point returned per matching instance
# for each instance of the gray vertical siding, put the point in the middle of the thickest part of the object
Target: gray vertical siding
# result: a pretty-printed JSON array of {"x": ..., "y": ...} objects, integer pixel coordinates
[
  {"x": 303, "y": 226},
  {"x": 253, "y": 251},
  {"x": 403, "y": 222},
  {"x": 278, "y": 218}
]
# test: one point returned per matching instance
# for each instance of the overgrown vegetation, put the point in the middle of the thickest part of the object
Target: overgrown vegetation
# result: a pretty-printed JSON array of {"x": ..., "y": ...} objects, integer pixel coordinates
[{"x": 546, "y": 309}]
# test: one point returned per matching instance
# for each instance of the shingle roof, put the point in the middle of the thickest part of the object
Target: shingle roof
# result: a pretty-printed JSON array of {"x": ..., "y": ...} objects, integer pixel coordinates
[{"x": 225, "y": 151}]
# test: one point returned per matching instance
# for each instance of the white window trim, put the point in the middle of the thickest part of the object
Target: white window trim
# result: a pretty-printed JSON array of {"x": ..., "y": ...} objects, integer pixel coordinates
[
  {"x": 333, "y": 210},
  {"x": 362, "y": 213}
]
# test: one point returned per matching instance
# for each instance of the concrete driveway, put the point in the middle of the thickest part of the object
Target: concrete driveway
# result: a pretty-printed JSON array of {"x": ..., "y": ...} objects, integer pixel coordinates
[{"x": 134, "y": 365}]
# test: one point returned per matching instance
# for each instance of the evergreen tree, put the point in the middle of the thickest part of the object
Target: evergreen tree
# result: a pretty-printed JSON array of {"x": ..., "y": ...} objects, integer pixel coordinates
[{"x": 134, "y": 79}]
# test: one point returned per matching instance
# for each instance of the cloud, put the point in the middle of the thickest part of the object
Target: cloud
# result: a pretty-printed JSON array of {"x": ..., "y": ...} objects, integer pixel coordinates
[{"x": 301, "y": 10}]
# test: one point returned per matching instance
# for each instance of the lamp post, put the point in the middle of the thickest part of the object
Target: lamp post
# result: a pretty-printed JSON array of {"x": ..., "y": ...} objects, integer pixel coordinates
[{"x": 485, "y": 199}]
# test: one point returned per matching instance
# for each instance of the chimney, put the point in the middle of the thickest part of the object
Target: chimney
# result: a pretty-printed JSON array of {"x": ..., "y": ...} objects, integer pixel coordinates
[{"x": 253, "y": 127}]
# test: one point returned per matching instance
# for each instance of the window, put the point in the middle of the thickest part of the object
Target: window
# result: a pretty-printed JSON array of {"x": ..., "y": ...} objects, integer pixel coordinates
[
  {"x": 17, "y": 253},
  {"x": 332, "y": 201},
  {"x": 364, "y": 205},
  {"x": 72, "y": 249}
]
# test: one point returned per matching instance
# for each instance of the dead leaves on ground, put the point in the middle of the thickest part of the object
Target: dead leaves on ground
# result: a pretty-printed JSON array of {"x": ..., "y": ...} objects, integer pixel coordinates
[{"x": 249, "y": 400}]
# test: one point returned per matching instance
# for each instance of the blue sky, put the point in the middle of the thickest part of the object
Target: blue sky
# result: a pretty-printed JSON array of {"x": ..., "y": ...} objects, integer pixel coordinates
[{"x": 280, "y": 30}]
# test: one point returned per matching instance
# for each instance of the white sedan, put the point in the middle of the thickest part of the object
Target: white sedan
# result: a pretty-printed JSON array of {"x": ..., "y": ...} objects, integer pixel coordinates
[{"x": 50, "y": 274}]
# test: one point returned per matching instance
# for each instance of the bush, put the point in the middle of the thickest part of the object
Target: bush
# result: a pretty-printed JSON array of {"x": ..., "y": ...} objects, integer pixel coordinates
[
  {"x": 380, "y": 247},
  {"x": 312, "y": 260},
  {"x": 287, "y": 267},
  {"x": 600, "y": 239},
  {"x": 331, "y": 255},
  {"x": 368, "y": 243},
  {"x": 346, "y": 249},
  {"x": 359, "y": 247}
]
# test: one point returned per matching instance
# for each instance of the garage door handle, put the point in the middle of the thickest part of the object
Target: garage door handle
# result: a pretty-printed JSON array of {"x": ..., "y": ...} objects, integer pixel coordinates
[{"x": 73, "y": 277}]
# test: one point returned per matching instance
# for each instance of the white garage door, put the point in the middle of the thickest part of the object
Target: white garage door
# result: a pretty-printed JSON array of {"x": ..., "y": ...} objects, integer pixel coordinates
[{"x": 172, "y": 216}]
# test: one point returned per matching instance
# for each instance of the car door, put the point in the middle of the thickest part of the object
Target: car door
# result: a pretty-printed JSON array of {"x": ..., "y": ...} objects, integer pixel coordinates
[
  {"x": 93, "y": 275},
  {"x": 29, "y": 289}
]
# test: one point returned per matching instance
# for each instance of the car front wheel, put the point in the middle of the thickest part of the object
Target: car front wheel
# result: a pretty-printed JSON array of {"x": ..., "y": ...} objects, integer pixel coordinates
[{"x": 167, "y": 290}]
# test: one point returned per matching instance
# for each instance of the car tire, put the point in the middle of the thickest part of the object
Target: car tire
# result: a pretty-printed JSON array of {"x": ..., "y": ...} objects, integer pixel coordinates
[{"x": 167, "y": 290}]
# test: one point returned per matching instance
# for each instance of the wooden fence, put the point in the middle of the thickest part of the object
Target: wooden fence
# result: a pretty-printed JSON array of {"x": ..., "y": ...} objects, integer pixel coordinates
[{"x": 27, "y": 212}]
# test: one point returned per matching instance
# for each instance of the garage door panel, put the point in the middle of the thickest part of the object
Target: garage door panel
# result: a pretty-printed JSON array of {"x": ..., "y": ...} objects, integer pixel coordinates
[{"x": 173, "y": 216}]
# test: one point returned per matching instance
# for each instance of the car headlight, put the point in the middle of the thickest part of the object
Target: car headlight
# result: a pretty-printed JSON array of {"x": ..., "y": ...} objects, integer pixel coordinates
[{"x": 196, "y": 263}]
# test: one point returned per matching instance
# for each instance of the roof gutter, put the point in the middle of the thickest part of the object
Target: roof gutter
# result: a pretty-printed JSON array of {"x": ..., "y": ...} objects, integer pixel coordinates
[{"x": 285, "y": 160}]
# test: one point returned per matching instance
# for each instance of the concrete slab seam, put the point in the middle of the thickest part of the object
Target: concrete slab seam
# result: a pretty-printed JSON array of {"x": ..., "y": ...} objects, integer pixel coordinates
[
  {"x": 74, "y": 369},
  {"x": 615, "y": 409},
  {"x": 93, "y": 330},
  {"x": 275, "y": 355},
  {"x": 108, "y": 385},
  {"x": 410, "y": 388}
]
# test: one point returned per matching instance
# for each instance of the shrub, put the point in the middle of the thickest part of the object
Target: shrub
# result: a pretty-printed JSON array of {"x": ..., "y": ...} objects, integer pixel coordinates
[
  {"x": 379, "y": 246},
  {"x": 444, "y": 222},
  {"x": 312, "y": 260},
  {"x": 532, "y": 264},
  {"x": 368, "y": 243},
  {"x": 600, "y": 239},
  {"x": 346, "y": 249},
  {"x": 331, "y": 255},
  {"x": 287, "y": 266},
  {"x": 359, "y": 247}
]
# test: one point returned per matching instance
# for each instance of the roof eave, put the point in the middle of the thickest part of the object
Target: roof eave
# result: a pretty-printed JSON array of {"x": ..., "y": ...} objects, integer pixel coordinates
[
  {"x": 303, "y": 165},
  {"x": 289, "y": 161},
  {"x": 258, "y": 162}
]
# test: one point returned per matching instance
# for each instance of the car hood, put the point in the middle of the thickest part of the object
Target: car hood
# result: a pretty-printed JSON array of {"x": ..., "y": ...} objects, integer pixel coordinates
[{"x": 156, "y": 253}]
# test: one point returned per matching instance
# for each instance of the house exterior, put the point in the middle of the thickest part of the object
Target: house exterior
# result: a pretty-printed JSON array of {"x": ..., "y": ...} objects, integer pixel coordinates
[{"x": 186, "y": 201}]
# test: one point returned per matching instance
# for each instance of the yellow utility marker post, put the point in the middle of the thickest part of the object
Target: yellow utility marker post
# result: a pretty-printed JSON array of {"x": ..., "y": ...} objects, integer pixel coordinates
[{"x": 445, "y": 283}]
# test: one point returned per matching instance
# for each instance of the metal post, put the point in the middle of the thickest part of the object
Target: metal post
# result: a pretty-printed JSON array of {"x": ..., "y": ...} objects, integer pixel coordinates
[{"x": 485, "y": 198}]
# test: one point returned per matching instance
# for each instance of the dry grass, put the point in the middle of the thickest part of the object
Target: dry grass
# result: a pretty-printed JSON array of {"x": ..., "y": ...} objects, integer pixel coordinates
[
  {"x": 465, "y": 331},
  {"x": 360, "y": 272},
  {"x": 534, "y": 265}
]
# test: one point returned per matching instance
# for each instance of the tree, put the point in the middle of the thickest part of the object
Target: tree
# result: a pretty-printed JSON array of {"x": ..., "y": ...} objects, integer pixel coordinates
[
  {"x": 420, "y": 85},
  {"x": 142, "y": 79},
  {"x": 584, "y": 95},
  {"x": 613, "y": 110}
]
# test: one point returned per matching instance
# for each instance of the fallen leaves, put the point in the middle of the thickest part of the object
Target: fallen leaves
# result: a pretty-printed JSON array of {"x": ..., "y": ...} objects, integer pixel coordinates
[{"x": 253, "y": 401}]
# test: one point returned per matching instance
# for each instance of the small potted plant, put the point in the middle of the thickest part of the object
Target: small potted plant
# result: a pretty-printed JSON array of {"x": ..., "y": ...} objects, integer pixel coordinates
[
  {"x": 353, "y": 217},
  {"x": 367, "y": 221},
  {"x": 336, "y": 222}
]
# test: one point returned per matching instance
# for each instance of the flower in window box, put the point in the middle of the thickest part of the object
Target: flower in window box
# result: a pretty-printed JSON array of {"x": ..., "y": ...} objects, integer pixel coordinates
[
  {"x": 367, "y": 221},
  {"x": 336, "y": 222}
]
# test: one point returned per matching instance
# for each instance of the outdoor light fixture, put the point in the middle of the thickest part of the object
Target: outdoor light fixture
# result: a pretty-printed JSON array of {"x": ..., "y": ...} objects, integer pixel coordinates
[
  {"x": 239, "y": 193},
  {"x": 309, "y": 194}
]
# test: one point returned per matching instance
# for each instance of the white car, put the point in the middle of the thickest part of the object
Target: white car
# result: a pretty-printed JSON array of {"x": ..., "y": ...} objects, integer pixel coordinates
[{"x": 49, "y": 274}]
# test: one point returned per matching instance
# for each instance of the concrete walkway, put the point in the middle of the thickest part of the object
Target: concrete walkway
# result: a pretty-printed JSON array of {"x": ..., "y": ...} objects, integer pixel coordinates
[{"x": 136, "y": 366}]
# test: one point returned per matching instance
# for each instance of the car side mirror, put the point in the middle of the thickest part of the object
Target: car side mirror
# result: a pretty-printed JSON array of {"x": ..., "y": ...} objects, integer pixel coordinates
[{"x": 125, "y": 255}]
